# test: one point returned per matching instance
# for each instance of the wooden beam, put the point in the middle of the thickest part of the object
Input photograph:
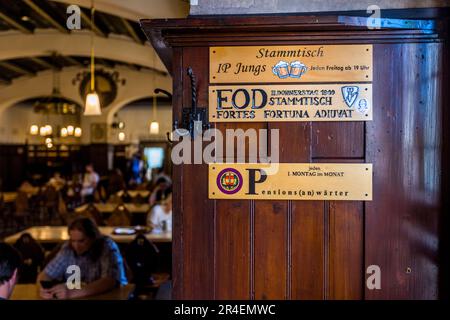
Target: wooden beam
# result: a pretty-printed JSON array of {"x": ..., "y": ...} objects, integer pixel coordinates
[
  {"x": 42, "y": 62},
  {"x": 73, "y": 61},
  {"x": 105, "y": 62},
  {"x": 13, "y": 23},
  {"x": 5, "y": 81},
  {"x": 15, "y": 68},
  {"x": 131, "y": 31},
  {"x": 94, "y": 27},
  {"x": 46, "y": 16}
]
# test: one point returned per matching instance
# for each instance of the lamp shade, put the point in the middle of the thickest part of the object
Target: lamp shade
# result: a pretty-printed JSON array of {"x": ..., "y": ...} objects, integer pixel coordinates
[
  {"x": 48, "y": 130},
  {"x": 154, "y": 127},
  {"x": 92, "y": 107},
  {"x": 34, "y": 130},
  {"x": 77, "y": 132}
]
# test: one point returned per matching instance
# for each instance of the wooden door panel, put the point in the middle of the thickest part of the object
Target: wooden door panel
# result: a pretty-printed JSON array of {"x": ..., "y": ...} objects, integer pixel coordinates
[
  {"x": 346, "y": 257},
  {"x": 271, "y": 249},
  {"x": 403, "y": 143},
  {"x": 338, "y": 140},
  {"x": 308, "y": 250},
  {"x": 240, "y": 249},
  {"x": 233, "y": 250},
  {"x": 197, "y": 256}
]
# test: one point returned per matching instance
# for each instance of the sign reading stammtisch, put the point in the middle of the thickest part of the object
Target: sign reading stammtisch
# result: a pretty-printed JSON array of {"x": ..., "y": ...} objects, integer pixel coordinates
[
  {"x": 291, "y": 181},
  {"x": 290, "y": 102},
  {"x": 284, "y": 64}
]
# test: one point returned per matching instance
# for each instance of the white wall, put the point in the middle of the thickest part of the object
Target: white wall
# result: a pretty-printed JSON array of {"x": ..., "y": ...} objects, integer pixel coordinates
[
  {"x": 16, "y": 121},
  {"x": 137, "y": 121}
]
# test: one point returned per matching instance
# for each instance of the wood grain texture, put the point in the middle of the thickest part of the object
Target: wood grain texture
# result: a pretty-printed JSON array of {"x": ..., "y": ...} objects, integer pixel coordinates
[
  {"x": 198, "y": 210},
  {"x": 404, "y": 145},
  {"x": 320, "y": 249}
]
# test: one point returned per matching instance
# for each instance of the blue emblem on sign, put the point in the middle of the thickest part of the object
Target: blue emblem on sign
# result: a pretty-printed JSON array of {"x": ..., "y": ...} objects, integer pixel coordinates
[{"x": 350, "y": 94}]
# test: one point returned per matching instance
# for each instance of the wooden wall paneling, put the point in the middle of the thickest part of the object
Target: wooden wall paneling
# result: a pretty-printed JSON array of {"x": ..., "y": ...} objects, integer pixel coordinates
[
  {"x": 233, "y": 272},
  {"x": 345, "y": 244},
  {"x": 304, "y": 224},
  {"x": 346, "y": 256},
  {"x": 271, "y": 245},
  {"x": 338, "y": 139},
  {"x": 344, "y": 236},
  {"x": 444, "y": 223},
  {"x": 198, "y": 230},
  {"x": 235, "y": 240},
  {"x": 177, "y": 182},
  {"x": 403, "y": 143},
  {"x": 327, "y": 245}
]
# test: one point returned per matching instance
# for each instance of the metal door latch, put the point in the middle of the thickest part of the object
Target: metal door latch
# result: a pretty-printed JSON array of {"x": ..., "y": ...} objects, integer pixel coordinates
[{"x": 194, "y": 119}]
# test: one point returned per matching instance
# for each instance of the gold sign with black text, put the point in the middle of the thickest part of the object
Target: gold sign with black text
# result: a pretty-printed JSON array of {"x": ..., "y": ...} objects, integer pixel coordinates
[
  {"x": 290, "y": 102},
  {"x": 287, "y": 64},
  {"x": 290, "y": 181}
]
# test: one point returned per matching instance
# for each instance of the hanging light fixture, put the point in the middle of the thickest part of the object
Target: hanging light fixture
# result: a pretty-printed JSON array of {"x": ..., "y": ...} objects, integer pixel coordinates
[
  {"x": 48, "y": 130},
  {"x": 77, "y": 132},
  {"x": 34, "y": 130},
  {"x": 121, "y": 136},
  {"x": 92, "y": 106},
  {"x": 154, "y": 125}
]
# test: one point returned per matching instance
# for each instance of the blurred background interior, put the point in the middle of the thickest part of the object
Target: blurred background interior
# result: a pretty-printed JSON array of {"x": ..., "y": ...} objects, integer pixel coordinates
[{"x": 51, "y": 148}]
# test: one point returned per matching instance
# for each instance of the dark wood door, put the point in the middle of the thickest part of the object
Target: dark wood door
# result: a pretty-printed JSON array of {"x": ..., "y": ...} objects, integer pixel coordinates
[{"x": 242, "y": 249}]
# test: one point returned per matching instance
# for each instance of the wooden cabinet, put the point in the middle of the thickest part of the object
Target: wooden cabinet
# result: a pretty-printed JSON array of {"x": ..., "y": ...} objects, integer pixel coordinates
[{"x": 245, "y": 249}]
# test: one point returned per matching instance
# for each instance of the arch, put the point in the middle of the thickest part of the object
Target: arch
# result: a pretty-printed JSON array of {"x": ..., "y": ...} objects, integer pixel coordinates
[
  {"x": 42, "y": 42},
  {"x": 28, "y": 87}
]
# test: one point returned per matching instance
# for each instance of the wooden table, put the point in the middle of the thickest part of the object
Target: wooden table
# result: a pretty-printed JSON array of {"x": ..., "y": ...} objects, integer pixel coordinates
[
  {"x": 31, "y": 292},
  {"x": 135, "y": 193},
  {"x": 106, "y": 208},
  {"x": 56, "y": 234},
  {"x": 9, "y": 197}
]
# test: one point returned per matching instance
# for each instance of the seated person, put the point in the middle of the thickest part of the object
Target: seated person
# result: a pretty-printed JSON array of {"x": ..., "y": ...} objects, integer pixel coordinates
[
  {"x": 90, "y": 182},
  {"x": 161, "y": 184},
  {"x": 97, "y": 256},
  {"x": 9, "y": 264},
  {"x": 26, "y": 187},
  {"x": 57, "y": 181},
  {"x": 160, "y": 217}
]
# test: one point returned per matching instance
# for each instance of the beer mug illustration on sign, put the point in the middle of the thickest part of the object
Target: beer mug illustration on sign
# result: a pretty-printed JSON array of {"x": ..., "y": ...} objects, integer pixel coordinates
[
  {"x": 281, "y": 69},
  {"x": 297, "y": 69}
]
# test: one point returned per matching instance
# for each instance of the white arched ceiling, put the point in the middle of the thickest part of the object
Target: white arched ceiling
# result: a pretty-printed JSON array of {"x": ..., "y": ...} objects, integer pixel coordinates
[
  {"x": 42, "y": 42},
  {"x": 139, "y": 84},
  {"x": 138, "y": 9}
]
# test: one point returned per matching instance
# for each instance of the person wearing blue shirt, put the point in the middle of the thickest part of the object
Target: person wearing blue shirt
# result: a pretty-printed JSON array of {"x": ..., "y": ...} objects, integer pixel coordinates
[{"x": 98, "y": 258}]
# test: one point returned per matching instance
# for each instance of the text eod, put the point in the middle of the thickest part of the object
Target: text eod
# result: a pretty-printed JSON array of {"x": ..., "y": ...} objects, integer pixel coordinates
[{"x": 241, "y": 99}]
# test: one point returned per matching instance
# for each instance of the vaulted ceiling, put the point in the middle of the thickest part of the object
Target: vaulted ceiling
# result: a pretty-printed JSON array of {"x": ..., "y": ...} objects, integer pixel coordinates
[
  {"x": 34, "y": 17},
  {"x": 33, "y": 31}
]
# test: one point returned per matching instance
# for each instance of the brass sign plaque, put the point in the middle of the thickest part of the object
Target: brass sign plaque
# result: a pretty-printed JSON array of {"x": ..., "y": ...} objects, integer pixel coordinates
[
  {"x": 290, "y": 181},
  {"x": 284, "y": 64},
  {"x": 290, "y": 102}
]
